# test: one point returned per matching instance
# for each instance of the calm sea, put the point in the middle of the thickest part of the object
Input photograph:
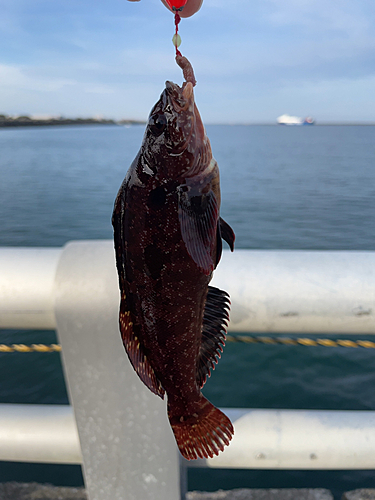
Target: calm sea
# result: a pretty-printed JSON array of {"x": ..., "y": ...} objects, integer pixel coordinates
[{"x": 282, "y": 188}]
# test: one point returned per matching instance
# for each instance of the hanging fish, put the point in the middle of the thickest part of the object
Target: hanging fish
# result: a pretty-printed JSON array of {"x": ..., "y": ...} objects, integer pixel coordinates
[{"x": 168, "y": 240}]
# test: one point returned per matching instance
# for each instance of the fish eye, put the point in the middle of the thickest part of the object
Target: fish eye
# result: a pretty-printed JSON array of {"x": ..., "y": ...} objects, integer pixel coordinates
[{"x": 157, "y": 124}]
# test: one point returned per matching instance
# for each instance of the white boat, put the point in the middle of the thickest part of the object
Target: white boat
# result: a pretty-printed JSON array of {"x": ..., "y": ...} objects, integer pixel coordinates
[
  {"x": 289, "y": 120},
  {"x": 295, "y": 120}
]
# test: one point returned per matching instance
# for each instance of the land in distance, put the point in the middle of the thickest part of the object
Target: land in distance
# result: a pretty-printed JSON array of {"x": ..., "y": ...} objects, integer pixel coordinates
[{"x": 28, "y": 121}]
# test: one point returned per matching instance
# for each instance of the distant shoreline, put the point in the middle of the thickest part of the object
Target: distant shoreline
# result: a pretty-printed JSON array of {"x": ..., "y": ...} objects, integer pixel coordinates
[
  {"x": 321, "y": 124},
  {"x": 27, "y": 121}
]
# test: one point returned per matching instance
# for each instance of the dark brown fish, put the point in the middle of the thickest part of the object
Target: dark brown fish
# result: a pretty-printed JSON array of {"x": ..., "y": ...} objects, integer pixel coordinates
[{"x": 168, "y": 240}]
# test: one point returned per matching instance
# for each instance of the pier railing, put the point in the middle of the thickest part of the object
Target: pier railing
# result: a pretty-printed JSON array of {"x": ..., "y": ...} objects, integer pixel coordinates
[{"x": 125, "y": 443}]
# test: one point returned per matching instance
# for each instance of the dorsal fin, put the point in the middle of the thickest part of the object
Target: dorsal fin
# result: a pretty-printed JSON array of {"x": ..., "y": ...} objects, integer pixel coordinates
[
  {"x": 135, "y": 352},
  {"x": 215, "y": 322}
]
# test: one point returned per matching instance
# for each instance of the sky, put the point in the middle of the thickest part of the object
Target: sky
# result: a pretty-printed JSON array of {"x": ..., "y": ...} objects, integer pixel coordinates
[{"x": 253, "y": 59}]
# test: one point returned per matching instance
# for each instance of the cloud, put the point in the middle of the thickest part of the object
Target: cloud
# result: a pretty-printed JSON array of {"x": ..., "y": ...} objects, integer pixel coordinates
[
  {"x": 146, "y": 61},
  {"x": 115, "y": 57},
  {"x": 309, "y": 38},
  {"x": 17, "y": 77},
  {"x": 348, "y": 17},
  {"x": 99, "y": 89}
]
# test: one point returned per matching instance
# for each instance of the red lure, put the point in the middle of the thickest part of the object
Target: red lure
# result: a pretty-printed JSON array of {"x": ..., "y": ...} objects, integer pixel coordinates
[{"x": 176, "y": 4}]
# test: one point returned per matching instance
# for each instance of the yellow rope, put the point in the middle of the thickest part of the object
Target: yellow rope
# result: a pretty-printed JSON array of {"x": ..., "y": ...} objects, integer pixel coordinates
[
  {"x": 247, "y": 339},
  {"x": 300, "y": 341},
  {"x": 30, "y": 348}
]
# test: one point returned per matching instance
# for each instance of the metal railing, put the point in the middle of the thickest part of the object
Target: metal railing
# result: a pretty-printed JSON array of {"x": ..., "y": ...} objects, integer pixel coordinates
[
  {"x": 271, "y": 291},
  {"x": 264, "y": 439},
  {"x": 126, "y": 444}
]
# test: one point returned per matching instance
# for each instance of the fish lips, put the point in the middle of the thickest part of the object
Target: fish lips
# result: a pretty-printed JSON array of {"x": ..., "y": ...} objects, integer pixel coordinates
[{"x": 180, "y": 98}]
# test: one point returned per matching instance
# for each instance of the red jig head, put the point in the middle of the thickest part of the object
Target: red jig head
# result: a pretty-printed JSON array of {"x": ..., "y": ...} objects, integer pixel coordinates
[{"x": 176, "y": 5}]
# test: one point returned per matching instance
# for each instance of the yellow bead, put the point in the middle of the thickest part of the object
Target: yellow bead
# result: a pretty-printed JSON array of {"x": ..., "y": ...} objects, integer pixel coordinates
[{"x": 176, "y": 40}]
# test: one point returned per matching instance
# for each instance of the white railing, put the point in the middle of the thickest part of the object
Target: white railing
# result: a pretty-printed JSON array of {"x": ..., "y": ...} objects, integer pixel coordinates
[
  {"x": 127, "y": 447},
  {"x": 39, "y": 433},
  {"x": 263, "y": 439},
  {"x": 271, "y": 291}
]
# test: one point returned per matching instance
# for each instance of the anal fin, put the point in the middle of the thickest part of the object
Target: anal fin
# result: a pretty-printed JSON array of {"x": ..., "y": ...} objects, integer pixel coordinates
[
  {"x": 135, "y": 352},
  {"x": 215, "y": 322}
]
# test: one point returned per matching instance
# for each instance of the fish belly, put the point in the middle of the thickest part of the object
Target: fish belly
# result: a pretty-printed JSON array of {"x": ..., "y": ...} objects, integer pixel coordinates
[{"x": 167, "y": 291}]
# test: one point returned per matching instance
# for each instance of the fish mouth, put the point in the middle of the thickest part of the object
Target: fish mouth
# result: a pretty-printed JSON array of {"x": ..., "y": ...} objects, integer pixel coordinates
[{"x": 181, "y": 98}]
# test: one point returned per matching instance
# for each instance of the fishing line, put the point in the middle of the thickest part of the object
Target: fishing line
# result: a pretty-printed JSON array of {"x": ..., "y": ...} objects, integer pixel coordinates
[
  {"x": 176, "y": 37},
  {"x": 176, "y": 7}
]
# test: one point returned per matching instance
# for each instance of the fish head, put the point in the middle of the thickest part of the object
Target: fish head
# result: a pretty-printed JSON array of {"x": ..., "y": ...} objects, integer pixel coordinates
[{"x": 175, "y": 133}]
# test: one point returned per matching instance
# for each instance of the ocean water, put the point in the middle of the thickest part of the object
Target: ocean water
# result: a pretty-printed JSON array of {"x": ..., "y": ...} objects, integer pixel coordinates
[{"x": 282, "y": 188}]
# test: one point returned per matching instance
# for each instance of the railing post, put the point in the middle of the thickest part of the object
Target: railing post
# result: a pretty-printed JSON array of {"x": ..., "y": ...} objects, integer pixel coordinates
[{"x": 128, "y": 449}]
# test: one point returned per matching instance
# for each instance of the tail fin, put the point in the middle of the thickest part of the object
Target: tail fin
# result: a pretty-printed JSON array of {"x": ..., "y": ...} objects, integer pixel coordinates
[{"x": 202, "y": 434}]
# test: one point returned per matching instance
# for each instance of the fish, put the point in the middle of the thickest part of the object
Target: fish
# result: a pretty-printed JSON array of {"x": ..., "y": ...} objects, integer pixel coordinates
[{"x": 168, "y": 240}]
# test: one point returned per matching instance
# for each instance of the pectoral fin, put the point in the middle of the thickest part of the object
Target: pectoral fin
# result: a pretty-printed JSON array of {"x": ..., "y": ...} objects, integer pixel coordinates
[
  {"x": 117, "y": 222},
  {"x": 198, "y": 215}
]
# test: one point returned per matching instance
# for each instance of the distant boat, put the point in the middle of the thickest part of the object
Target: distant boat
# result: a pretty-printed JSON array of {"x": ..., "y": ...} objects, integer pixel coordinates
[
  {"x": 294, "y": 120},
  {"x": 289, "y": 120}
]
